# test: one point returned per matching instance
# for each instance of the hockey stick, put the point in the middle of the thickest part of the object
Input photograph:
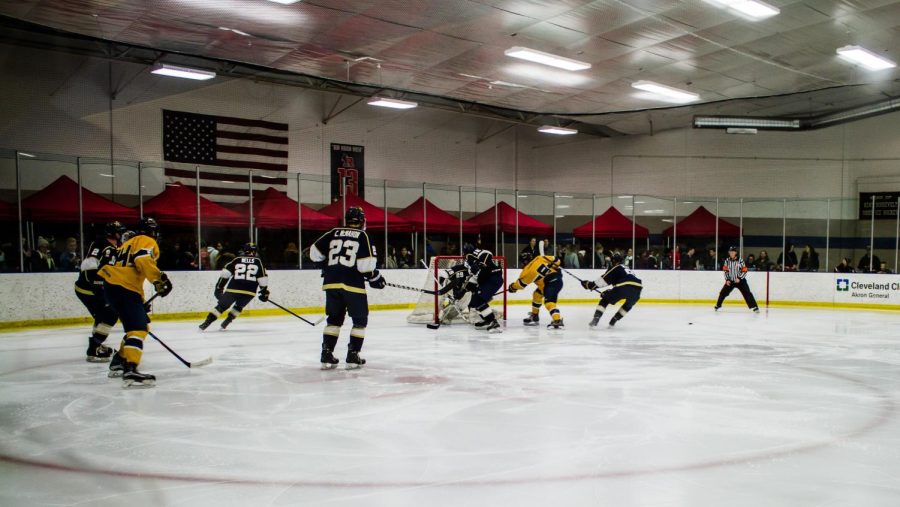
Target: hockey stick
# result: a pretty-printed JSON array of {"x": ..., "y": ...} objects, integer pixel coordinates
[
  {"x": 437, "y": 325},
  {"x": 573, "y": 275},
  {"x": 195, "y": 364},
  {"x": 407, "y": 287},
  {"x": 299, "y": 317}
]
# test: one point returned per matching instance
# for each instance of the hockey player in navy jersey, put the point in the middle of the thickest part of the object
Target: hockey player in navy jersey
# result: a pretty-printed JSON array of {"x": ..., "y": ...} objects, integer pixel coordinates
[
  {"x": 486, "y": 278},
  {"x": 624, "y": 286},
  {"x": 89, "y": 289},
  {"x": 348, "y": 261},
  {"x": 237, "y": 286}
]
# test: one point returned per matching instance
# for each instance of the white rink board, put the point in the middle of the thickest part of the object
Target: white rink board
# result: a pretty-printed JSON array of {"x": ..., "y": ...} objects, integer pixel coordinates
[{"x": 29, "y": 297}]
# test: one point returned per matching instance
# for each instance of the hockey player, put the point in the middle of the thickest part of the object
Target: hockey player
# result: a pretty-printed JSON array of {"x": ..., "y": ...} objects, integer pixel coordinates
[
  {"x": 623, "y": 286},
  {"x": 237, "y": 285},
  {"x": 89, "y": 290},
  {"x": 486, "y": 278},
  {"x": 348, "y": 260},
  {"x": 124, "y": 289},
  {"x": 544, "y": 272},
  {"x": 453, "y": 283},
  {"x": 735, "y": 277}
]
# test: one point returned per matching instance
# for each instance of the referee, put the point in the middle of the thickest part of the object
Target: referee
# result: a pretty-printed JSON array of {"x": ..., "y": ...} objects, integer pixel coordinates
[{"x": 735, "y": 277}]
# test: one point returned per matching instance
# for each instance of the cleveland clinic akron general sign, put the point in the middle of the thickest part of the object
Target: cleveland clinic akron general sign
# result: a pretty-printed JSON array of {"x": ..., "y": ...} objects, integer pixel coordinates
[{"x": 867, "y": 289}]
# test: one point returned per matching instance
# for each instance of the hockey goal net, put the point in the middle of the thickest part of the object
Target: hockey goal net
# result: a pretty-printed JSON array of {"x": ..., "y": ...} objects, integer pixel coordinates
[{"x": 430, "y": 306}]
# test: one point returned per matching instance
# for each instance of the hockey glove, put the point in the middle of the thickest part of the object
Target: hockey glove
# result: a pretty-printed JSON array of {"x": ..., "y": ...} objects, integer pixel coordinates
[
  {"x": 263, "y": 294},
  {"x": 589, "y": 285},
  {"x": 512, "y": 288},
  {"x": 471, "y": 287},
  {"x": 376, "y": 281},
  {"x": 148, "y": 307},
  {"x": 163, "y": 286}
]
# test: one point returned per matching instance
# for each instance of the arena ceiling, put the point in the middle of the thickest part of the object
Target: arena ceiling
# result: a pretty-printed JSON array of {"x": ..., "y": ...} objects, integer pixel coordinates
[{"x": 451, "y": 52}]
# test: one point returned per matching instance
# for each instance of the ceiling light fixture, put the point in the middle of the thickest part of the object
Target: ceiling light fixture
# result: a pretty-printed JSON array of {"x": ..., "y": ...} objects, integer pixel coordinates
[
  {"x": 666, "y": 92},
  {"x": 741, "y": 130},
  {"x": 749, "y": 122},
  {"x": 862, "y": 56},
  {"x": 392, "y": 103},
  {"x": 560, "y": 131},
  {"x": 285, "y": 2},
  {"x": 546, "y": 58},
  {"x": 754, "y": 8},
  {"x": 164, "y": 69}
]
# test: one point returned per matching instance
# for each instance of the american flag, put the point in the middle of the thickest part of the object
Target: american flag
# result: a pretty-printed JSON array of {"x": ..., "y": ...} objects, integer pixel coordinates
[{"x": 226, "y": 149}]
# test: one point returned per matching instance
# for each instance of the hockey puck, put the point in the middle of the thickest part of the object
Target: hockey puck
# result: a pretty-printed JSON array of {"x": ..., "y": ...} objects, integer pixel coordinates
[{"x": 690, "y": 323}]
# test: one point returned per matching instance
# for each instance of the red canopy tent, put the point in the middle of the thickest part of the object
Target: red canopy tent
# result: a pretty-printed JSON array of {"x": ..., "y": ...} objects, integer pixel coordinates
[
  {"x": 702, "y": 223},
  {"x": 506, "y": 216},
  {"x": 438, "y": 220},
  {"x": 275, "y": 210},
  {"x": 8, "y": 211},
  {"x": 374, "y": 215},
  {"x": 611, "y": 224},
  {"x": 58, "y": 202},
  {"x": 177, "y": 205}
]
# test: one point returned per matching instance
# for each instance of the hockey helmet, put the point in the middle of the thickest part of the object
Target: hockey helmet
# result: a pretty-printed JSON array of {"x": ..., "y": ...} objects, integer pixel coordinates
[
  {"x": 147, "y": 226},
  {"x": 113, "y": 229},
  {"x": 249, "y": 249},
  {"x": 468, "y": 248},
  {"x": 616, "y": 258},
  {"x": 526, "y": 256},
  {"x": 355, "y": 217}
]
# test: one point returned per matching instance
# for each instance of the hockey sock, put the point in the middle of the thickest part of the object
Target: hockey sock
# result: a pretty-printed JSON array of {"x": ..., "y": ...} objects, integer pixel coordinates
[
  {"x": 330, "y": 337},
  {"x": 234, "y": 313},
  {"x": 619, "y": 315},
  {"x": 100, "y": 332},
  {"x": 212, "y": 316},
  {"x": 486, "y": 313},
  {"x": 554, "y": 314},
  {"x": 133, "y": 346},
  {"x": 357, "y": 334}
]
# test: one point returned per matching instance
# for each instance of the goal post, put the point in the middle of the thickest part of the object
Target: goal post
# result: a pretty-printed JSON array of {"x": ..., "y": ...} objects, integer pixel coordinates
[{"x": 429, "y": 306}]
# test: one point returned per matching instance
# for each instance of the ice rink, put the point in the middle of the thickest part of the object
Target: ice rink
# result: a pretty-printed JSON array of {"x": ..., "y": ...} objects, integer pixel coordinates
[{"x": 676, "y": 406}]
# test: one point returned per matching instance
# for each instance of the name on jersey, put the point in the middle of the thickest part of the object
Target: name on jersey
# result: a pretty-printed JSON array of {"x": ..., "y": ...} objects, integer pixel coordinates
[{"x": 347, "y": 233}]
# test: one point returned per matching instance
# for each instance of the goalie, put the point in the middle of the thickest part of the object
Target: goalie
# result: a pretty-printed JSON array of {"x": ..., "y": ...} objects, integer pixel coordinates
[
  {"x": 623, "y": 286},
  {"x": 453, "y": 294},
  {"x": 543, "y": 271}
]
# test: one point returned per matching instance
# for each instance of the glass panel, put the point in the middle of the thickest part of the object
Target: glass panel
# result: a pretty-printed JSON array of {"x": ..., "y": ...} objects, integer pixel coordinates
[
  {"x": 698, "y": 231},
  {"x": 445, "y": 237},
  {"x": 573, "y": 210},
  {"x": 604, "y": 239},
  {"x": 731, "y": 211},
  {"x": 807, "y": 225},
  {"x": 9, "y": 214},
  {"x": 508, "y": 231},
  {"x": 656, "y": 214},
  {"x": 763, "y": 233},
  {"x": 539, "y": 206},
  {"x": 315, "y": 192},
  {"x": 52, "y": 227},
  {"x": 409, "y": 244},
  {"x": 172, "y": 202}
]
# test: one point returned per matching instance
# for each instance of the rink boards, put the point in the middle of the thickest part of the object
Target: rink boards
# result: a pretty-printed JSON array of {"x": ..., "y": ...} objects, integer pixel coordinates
[{"x": 46, "y": 299}]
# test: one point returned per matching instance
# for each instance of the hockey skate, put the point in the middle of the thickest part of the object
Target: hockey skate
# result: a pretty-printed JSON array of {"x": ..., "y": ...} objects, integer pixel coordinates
[
  {"x": 353, "y": 360},
  {"x": 209, "y": 320},
  {"x": 329, "y": 362},
  {"x": 556, "y": 324},
  {"x": 716, "y": 308},
  {"x": 533, "y": 319},
  {"x": 594, "y": 322},
  {"x": 755, "y": 309},
  {"x": 116, "y": 366},
  {"x": 228, "y": 320},
  {"x": 494, "y": 327},
  {"x": 133, "y": 378},
  {"x": 98, "y": 353}
]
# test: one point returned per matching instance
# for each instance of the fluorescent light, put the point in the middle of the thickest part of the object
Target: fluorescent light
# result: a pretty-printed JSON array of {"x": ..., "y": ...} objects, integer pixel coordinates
[
  {"x": 563, "y": 206},
  {"x": 741, "y": 130},
  {"x": 745, "y": 122},
  {"x": 754, "y": 8},
  {"x": 561, "y": 131},
  {"x": 165, "y": 69},
  {"x": 285, "y": 2},
  {"x": 546, "y": 58},
  {"x": 392, "y": 103},
  {"x": 106, "y": 175},
  {"x": 666, "y": 92},
  {"x": 864, "y": 57},
  {"x": 29, "y": 155},
  {"x": 624, "y": 197},
  {"x": 640, "y": 202}
]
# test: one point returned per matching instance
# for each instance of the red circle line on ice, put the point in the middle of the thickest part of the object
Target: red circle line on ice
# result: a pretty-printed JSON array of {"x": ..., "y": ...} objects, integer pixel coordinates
[{"x": 886, "y": 409}]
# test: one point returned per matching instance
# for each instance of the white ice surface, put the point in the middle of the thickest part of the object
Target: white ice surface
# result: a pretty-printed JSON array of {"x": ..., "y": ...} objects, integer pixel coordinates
[{"x": 677, "y": 406}]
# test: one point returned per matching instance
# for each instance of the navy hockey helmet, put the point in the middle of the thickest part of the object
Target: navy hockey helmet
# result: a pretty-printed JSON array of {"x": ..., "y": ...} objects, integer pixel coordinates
[
  {"x": 147, "y": 226},
  {"x": 616, "y": 258},
  {"x": 355, "y": 217},
  {"x": 526, "y": 256},
  {"x": 249, "y": 249},
  {"x": 113, "y": 229},
  {"x": 468, "y": 248}
]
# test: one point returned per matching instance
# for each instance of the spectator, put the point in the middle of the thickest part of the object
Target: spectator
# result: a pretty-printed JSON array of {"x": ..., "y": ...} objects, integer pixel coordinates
[
  {"x": 751, "y": 263},
  {"x": 529, "y": 252},
  {"x": 844, "y": 267},
  {"x": 676, "y": 260},
  {"x": 570, "y": 261},
  {"x": 764, "y": 263},
  {"x": 629, "y": 259},
  {"x": 689, "y": 260},
  {"x": 601, "y": 261},
  {"x": 809, "y": 259},
  {"x": 405, "y": 259},
  {"x": 789, "y": 261},
  {"x": 390, "y": 262},
  {"x": 70, "y": 260},
  {"x": 291, "y": 254},
  {"x": 643, "y": 261},
  {"x": 863, "y": 265},
  {"x": 711, "y": 261},
  {"x": 653, "y": 260},
  {"x": 41, "y": 259},
  {"x": 883, "y": 270}
]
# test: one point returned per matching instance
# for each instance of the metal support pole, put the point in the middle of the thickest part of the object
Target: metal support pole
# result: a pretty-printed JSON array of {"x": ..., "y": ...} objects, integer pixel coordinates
[
  {"x": 424, "y": 225},
  {"x": 783, "y": 233},
  {"x": 496, "y": 223},
  {"x": 299, "y": 226},
  {"x": 872, "y": 236},
  {"x": 250, "y": 188},
  {"x": 516, "y": 249},
  {"x": 197, "y": 177},
  {"x": 827, "y": 232},
  {"x": 554, "y": 252},
  {"x": 741, "y": 228},
  {"x": 21, "y": 238},
  {"x": 633, "y": 223},
  {"x": 897, "y": 235},
  {"x": 384, "y": 190},
  {"x": 674, "y": 231},
  {"x": 716, "y": 241},
  {"x": 633, "y": 237},
  {"x": 141, "y": 189},
  {"x": 594, "y": 231},
  {"x": 460, "y": 222},
  {"x": 344, "y": 202},
  {"x": 80, "y": 207}
]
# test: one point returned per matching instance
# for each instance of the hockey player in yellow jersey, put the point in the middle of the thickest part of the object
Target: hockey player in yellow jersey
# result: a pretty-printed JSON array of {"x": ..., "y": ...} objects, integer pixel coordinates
[
  {"x": 544, "y": 272},
  {"x": 135, "y": 262}
]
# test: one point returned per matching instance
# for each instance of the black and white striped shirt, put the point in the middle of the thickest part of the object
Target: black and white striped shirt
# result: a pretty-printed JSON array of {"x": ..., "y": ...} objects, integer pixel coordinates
[{"x": 734, "y": 269}]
